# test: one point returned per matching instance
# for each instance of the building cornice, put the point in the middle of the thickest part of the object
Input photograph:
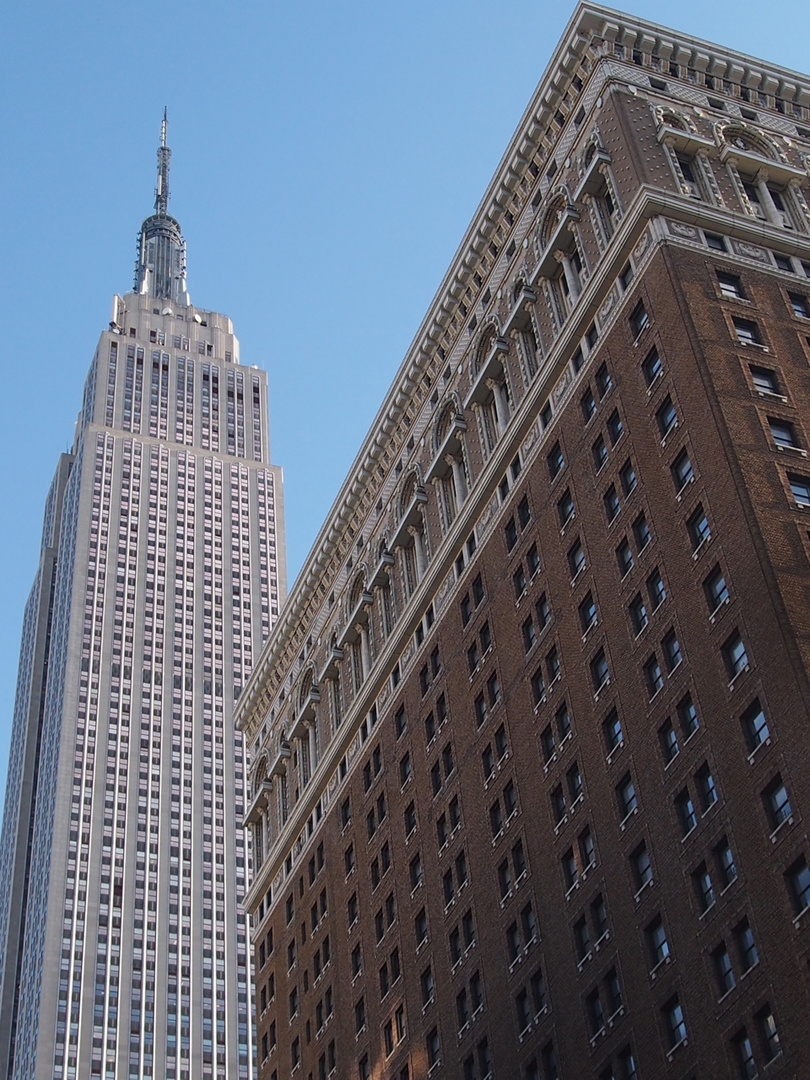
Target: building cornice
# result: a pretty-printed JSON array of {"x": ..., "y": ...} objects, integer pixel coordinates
[{"x": 591, "y": 28}]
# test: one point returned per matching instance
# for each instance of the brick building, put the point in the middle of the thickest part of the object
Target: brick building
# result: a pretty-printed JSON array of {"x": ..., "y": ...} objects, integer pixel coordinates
[{"x": 530, "y": 739}]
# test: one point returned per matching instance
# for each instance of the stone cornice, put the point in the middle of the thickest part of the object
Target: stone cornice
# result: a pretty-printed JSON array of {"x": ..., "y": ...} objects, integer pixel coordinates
[{"x": 591, "y": 27}]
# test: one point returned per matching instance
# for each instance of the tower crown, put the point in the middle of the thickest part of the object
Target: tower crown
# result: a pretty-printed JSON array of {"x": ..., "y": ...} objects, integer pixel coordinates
[{"x": 161, "y": 266}]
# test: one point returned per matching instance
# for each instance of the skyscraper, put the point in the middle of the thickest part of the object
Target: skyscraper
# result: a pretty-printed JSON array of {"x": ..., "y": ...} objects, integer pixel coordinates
[
  {"x": 529, "y": 743},
  {"x": 123, "y": 941}
]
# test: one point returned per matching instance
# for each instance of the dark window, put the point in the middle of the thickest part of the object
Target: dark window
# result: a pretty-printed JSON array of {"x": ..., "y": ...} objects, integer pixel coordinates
[
  {"x": 628, "y": 477},
  {"x": 612, "y": 729},
  {"x": 764, "y": 380},
  {"x": 587, "y": 404},
  {"x": 603, "y": 380},
  {"x": 698, "y": 527},
  {"x": 730, "y": 285},
  {"x": 653, "y": 676},
  {"x": 576, "y": 558},
  {"x": 783, "y": 433},
  {"x": 652, "y": 367},
  {"x": 798, "y": 882},
  {"x": 681, "y": 469},
  {"x": 614, "y": 427},
  {"x": 565, "y": 507},
  {"x": 600, "y": 453},
  {"x": 666, "y": 416},
  {"x": 747, "y": 332},
  {"x": 611, "y": 501},
  {"x": 715, "y": 589},
  {"x": 755, "y": 725},
  {"x": 624, "y": 557},
  {"x": 777, "y": 802},
  {"x": 555, "y": 460},
  {"x": 638, "y": 319},
  {"x": 587, "y": 612}
]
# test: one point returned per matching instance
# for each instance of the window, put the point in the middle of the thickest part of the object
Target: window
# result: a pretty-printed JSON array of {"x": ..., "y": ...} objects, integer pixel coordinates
[
  {"x": 511, "y": 534},
  {"x": 653, "y": 676},
  {"x": 754, "y": 725},
  {"x": 543, "y": 612},
  {"x": 466, "y": 609},
  {"x": 641, "y": 532},
  {"x": 746, "y": 946},
  {"x": 501, "y": 745},
  {"x": 587, "y": 404},
  {"x": 800, "y": 487},
  {"x": 777, "y": 803},
  {"x": 433, "y": 1047},
  {"x": 698, "y": 527},
  {"x": 359, "y": 1015},
  {"x": 587, "y": 851},
  {"x": 593, "y": 1006},
  {"x": 405, "y": 768},
  {"x": 725, "y": 862},
  {"x": 611, "y": 501},
  {"x": 529, "y": 634},
  {"x": 652, "y": 367},
  {"x": 800, "y": 305},
  {"x": 426, "y": 982},
  {"x": 410, "y": 818},
  {"x": 747, "y": 332},
  {"x": 655, "y": 589},
  {"x": 735, "y": 655},
  {"x": 764, "y": 380},
  {"x": 674, "y": 1022},
  {"x": 730, "y": 285},
  {"x": 599, "y": 917},
  {"x": 614, "y": 427},
  {"x": 638, "y": 613},
  {"x": 600, "y": 454},
  {"x": 486, "y": 638},
  {"x": 783, "y": 433},
  {"x": 626, "y": 796},
  {"x": 707, "y": 790},
  {"x": 641, "y": 866},
  {"x": 668, "y": 740},
  {"x": 533, "y": 560},
  {"x": 768, "y": 1035},
  {"x": 582, "y": 940},
  {"x": 352, "y": 909},
  {"x": 638, "y": 319},
  {"x": 480, "y": 707},
  {"x": 672, "y": 651},
  {"x": 472, "y": 657},
  {"x": 627, "y": 476},
  {"x": 519, "y": 582},
  {"x": 345, "y": 812},
  {"x": 569, "y": 869},
  {"x": 603, "y": 380},
  {"x": 666, "y": 417},
  {"x": 547, "y": 743},
  {"x": 512, "y": 943},
  {"x": 624, "y": 557},
  {"x": 723, "y": 969},
  {"x": 510, "y": 799},
  {"x": 587, "y": 613},
  {"x": 687, "y": 714},
  {"x": 348, "y": 859},
  {"x": 420, "y": 927},
  {"x": 715, "y": 589},
  {"x": 600, "y": 673},
  {"x": 493, "y": 689},
  {"x": 565, "y": 508},
  {"x": 478, "y": 589},
  {"x": 686, "y": 811},
  {"x": 496, "y": 819},
  {"x": 612, "y": 729},
  {"x": 704, "y": 890},
  {"x": 681, "y": 469},
  {"x": 555, "y": 460},
  {"x": 657, "y": 941},
  {"x": 524, "y": 513},
  {"x": 574, "y": 778},
  {"x": 576, "y": 558},
  {"x": 553, "y": 665}
]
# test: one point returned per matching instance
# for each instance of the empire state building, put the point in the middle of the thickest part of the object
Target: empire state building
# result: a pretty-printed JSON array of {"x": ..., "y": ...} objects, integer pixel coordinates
[{"x": 124, "y": 946}]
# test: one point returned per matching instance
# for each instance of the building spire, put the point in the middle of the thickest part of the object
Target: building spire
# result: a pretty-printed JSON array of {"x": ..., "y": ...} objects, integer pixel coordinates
[
  {"x": 164, "y": 155},
  {"x": 160, "y": 270}
]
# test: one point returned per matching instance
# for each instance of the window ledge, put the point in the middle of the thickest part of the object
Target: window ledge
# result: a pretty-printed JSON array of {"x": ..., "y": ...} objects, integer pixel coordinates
[
  {"x": 791, "y": 449},
  {"x": 615, "y": 750},
  {"x": 631, "y": 813},
  {"x": 585, "y": 959},
  {"x": 681, "y": 1042},
  {"x": 738, "y": 675},
  {"x": 757, "y": 748},
  {"x": 785, "y": 821},
  {"x": 639, "y": 892},
  {"x": 662, "y": 963}
]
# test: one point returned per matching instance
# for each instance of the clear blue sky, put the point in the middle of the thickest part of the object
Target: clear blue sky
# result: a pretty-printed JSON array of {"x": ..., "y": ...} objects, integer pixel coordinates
[{"x": 327, "y": 158}]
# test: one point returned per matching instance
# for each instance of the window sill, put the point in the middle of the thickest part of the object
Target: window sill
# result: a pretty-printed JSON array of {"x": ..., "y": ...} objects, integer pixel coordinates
[
  {"x": 660, "y": 966},
  {"x": 585, "y": 959},
  {"x": 788, "y": 821},
  {"x": 639, "y": 893},
  {"x": 615, "y": 750},
  {"x": 681, "y": 1042},
  {"x": 630, "y": 813},
  {"x": 790, "y": 449},
  {"x": 757, "y": 748}
]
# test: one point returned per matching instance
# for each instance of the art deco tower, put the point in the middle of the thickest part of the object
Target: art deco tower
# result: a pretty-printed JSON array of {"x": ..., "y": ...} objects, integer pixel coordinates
[{"x": 123, "y": 941}]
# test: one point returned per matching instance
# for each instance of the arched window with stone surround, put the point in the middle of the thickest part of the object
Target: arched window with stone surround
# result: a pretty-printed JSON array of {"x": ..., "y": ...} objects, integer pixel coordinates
[
  {"x": 489, "y": 390},
  {"x": 448, "y": 469},
  {"x": 358, "y": 632},
  {"x": 769, "y": 188},
  {"x": 410, "y": 535},
  {"x": 562, "y": 262},
  {"x": 381, "y": 582}
]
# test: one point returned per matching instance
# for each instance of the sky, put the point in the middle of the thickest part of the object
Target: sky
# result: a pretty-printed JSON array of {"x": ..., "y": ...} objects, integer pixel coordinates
[{"x": 327, "y": 159}]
